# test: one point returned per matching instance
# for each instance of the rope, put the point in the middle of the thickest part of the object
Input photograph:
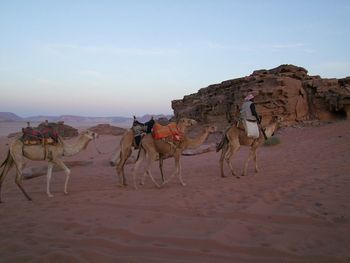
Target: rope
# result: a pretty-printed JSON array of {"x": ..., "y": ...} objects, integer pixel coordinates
[{"x": 99, "y": 150}]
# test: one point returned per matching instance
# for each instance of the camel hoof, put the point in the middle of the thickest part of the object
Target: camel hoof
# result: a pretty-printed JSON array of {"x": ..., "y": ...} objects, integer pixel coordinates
[
  {"x": 50, "y": 195},
  {"x": 183, "y": 184},
  {"x": 122, "y": 184},
  {"x": 66, "y": 193}
]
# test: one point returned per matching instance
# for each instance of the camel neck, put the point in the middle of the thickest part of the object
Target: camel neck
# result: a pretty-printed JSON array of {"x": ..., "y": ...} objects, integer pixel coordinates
[
  {"x": 78, "y": 146},
  {"x": 270, "y": 129},
  {"x": 196, "y": 142}
]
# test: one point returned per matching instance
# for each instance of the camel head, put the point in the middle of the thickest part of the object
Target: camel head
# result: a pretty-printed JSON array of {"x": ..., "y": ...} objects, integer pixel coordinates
[
  {"x": 275, "y": 124},
  {"x": 90, "y": 134}
]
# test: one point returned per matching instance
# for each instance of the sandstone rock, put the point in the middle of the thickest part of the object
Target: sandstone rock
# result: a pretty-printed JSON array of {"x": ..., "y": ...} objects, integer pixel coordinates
[
  {"x": 107, "y": 129},
  {"x": 287, "y": 91}
]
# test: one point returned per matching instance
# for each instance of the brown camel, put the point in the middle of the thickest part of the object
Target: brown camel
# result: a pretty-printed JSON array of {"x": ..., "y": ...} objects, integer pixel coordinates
[
  {"x": 234, "y": 137},
  {"x": 50, "y": 153},
  {"x": 126, "y": 146},
  {"x": 151, "y": 148}
]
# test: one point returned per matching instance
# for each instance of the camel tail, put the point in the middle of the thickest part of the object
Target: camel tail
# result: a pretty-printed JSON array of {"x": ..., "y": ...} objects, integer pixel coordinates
[
  {"x": 7, "y": 163},
  {"x": 221, "y": 144},
  {"x": 7, "y": 160}
]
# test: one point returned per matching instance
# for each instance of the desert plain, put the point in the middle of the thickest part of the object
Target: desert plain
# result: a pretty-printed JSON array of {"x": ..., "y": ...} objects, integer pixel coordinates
[{"x": 296, "y": 209}]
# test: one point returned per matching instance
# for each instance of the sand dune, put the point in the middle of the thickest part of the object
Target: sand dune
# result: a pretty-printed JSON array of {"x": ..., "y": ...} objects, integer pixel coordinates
[{"x": 295, "y": 210}]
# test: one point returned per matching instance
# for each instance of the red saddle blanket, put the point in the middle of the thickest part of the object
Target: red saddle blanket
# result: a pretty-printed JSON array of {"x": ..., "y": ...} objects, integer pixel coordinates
[
  {"x": 32, "y": 136},
  {"x": 167, "y": 131}
]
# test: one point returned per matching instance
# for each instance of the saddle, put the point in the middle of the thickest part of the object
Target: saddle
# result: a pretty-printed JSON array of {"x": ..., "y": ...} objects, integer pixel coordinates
[
  {"x": 140, "y": 129},
  {"x": 43, "y": 135},
  {"x": 168, "y": 133}
]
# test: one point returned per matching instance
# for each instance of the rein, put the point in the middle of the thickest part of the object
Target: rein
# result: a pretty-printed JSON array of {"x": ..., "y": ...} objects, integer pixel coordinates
[{"x": 100, "y": 152}]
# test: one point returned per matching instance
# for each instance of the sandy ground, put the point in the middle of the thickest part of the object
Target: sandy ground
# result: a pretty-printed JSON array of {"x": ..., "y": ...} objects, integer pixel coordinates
[{"x": 296, "y": 209}]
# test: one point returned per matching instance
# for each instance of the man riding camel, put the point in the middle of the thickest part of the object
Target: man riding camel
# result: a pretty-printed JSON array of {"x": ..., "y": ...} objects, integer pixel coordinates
[{"x": 250, "y": 117}]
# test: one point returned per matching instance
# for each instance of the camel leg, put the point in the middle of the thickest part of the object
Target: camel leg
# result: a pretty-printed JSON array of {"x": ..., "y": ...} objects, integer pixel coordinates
[
  {"x": 143, "y": 156},
  {"x": 161, "y": 166},
  {"x": 124, "y": 155},
  {"x": 231, "y": 151},
  {"x": 222, "y": 157},
  {"x": 150, "y": 161},
  {"x": 67, "y": 171},
  {"x": 256, "y": 160},
  {"x": 136, "y": 166},
  {"x": 250, "y": 156},
  {"x": 115, "y": 157},
  {"x": 18, "y": 180},
  {"x": 48, "y": 179},
  {"x": 178, "y": 171},
  {"x": 8, "y": 164}
]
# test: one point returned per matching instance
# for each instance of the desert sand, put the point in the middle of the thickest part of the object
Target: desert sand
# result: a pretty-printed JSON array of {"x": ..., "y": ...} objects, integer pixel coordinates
[{"x": 296, "y": 209}]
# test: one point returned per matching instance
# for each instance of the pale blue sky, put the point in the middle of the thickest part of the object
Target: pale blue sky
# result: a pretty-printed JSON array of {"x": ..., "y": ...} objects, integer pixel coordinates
[{"x": 124, "y": 58}]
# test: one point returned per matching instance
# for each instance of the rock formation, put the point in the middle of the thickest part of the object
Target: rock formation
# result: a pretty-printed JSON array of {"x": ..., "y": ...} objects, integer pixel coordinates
[
  {"x": 107, "y": 129},
  {"x": 287, "y": 91}
]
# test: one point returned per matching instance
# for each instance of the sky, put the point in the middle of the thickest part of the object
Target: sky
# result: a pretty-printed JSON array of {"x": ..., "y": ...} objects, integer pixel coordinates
[{"x": 125, "y": 58}]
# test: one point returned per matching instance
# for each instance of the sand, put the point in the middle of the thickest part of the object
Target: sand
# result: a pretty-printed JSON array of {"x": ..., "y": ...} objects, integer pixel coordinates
[{"x": 296, "y": 209}]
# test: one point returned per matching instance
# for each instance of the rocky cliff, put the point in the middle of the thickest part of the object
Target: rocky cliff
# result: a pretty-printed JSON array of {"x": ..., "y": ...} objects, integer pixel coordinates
[{"x": 287, "y": 91}]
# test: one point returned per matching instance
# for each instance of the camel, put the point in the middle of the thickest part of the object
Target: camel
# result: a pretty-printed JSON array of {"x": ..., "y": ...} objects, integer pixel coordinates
[
  {"x": 234, "y": 137},
  {"x": 50, "y": 153},
  {"x": 126, "y": 145},
  {"x": 123, "y": 154},
  {"x": 152, "y": 148}
]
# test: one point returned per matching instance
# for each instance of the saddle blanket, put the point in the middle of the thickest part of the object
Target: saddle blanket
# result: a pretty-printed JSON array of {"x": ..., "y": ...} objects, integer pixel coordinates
[
  {"x": 40, "y": 135},
  {"x": 159, "y": 131},
  {"x": 252, "y": 129},
  {"x": 45, "y": 141}
]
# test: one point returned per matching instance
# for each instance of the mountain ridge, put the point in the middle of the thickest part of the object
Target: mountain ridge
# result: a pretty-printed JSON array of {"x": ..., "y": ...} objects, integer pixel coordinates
[{"x": 12, "y": 117}]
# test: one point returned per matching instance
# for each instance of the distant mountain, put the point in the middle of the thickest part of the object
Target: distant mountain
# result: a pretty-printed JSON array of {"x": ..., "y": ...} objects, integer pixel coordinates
[
  {"x": 147, "y": 117},
  {"x": 9, "y": 117},
  {"x": 78, "y": 119}
]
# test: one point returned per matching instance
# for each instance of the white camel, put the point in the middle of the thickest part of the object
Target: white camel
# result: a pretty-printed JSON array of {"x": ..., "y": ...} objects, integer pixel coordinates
[{"x": 51, "y": 153}]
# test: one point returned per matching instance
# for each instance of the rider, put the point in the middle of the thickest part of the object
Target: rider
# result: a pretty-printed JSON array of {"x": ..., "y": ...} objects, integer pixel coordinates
[
  {"x": 250, "y": 116},
  {"x": 139, "y": 128},
  {"x": 248, "y": 111}
]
